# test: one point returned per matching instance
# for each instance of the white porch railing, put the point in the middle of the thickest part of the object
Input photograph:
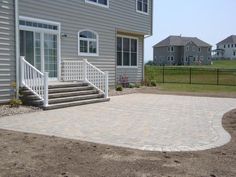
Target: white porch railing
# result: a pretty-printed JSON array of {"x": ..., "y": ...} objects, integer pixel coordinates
[
  {"x": 85, "y": 71},
  {"x": 34, "y": 80}
]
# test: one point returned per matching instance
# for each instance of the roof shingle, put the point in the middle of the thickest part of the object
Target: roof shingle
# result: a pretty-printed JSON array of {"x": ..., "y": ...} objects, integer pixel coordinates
[
  {"x": 229, "y": 40},
  {"x": 181, "y": 41}
]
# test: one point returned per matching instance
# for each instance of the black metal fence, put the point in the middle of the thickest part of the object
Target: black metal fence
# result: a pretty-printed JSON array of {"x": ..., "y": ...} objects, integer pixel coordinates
[{"x": 191, "y": 75}]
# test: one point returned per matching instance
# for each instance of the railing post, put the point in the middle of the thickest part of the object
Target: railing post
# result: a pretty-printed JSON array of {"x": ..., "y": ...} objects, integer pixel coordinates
[
  {"x": 190, "y": 75},
  {"x": 85, "y": 69},
  {"x": 106, "y": 84},
  {"x": 163, "y": 74},
  {"x": 45, "y": 89},
  {"x": 22, "y": 71}
]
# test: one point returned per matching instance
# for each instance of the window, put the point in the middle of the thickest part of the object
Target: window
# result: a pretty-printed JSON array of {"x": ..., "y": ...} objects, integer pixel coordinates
[
  {"x": 34, "y": 24},
  {"x": 232, "y": 45},
  {"x": 127, "y": 52},
  {"x": 104, "y": 3},
  {"x": 228, "y": 45},
  {"x": 234, "y": 53},
  {"x": 187, "y": 48},
  {"x": 199, "y": 49},
  {"x": 168, "y": 58},
  {"x": 88, "y": 43},
  {"x": 170, "y": 49},
  {"x": 224, "y": 46},
  {"x": 142, "y": 6},
  {"x": 209, "y": 49},
  {"x": 172, "y": 58}
]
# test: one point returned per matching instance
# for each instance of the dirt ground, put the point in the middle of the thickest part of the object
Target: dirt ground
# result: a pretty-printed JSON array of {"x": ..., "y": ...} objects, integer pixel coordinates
[{"x": 30, "y": 155}]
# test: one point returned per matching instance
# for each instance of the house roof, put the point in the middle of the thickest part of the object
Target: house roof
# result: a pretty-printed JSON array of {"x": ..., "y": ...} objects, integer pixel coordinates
[
  {"x": 181, "y": 41},
  {"x": 229, "y": 40}
]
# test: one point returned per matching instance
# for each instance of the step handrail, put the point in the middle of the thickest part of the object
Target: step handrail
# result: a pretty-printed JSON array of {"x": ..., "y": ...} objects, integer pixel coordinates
[
  {"x": 86, "y": 72},
  {"x": 34, "y": 80}
]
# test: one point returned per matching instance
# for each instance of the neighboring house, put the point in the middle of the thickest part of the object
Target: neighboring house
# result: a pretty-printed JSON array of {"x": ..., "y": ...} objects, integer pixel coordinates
[
  {"x": 178, "y": 50},
  {"x": 226, "y": 49},
  {"x": 54, "y": 34}
]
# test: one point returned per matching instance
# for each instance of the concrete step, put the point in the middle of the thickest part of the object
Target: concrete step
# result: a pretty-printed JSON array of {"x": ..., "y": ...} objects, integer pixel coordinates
[
  {"x": 70, "y": 94},
  {"x": 76, "y": 103},
  {"x": 74, "y": 98},
  {"x": 65, "y": 85},
  {"x": 69, "y": 89}
]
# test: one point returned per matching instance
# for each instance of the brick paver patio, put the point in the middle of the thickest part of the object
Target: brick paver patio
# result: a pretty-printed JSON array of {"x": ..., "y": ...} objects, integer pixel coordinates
[{"x": 140, "y": 121}]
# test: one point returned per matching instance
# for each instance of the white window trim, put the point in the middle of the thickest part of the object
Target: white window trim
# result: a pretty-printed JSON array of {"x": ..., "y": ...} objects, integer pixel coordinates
[
  {"x": 98, "y": 4},
  {"x": 145, "y": 13},
  {"x": 130, "y": 37},
  {"x": 35, "y": 29},
  {"x": 88, "y": 54}
]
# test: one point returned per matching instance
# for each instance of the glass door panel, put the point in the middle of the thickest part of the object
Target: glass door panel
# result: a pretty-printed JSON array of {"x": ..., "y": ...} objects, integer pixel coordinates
[
  {"x": 27, "y": 46},
  {"x": 50, "y": 54},
  {"x": 37, "y": 51}
]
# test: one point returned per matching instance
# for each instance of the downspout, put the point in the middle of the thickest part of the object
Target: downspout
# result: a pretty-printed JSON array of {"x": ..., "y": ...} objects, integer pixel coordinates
[{"x": 17, "y": 48}]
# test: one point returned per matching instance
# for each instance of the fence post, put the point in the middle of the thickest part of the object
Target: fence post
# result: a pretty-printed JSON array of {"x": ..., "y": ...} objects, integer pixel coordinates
[
  {"x": 45, "y": 89},
  {"x": 218, "y": 79},
  {"x": 163, "y": 74},
  {"x": 190, "y": 75},
  {"x": 22, "y": 67},
  {"x": 106, "y": 84},
  {"x": 85, "y": 69}
]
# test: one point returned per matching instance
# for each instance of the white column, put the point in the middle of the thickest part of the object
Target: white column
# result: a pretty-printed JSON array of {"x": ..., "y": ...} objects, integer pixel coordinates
[
  {"x": 22, "y": 71},
  {"x": 45, "y": 89},
  {"x": 106, "y": 85}
]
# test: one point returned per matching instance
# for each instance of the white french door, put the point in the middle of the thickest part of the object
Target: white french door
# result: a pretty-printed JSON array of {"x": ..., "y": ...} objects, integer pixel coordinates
[
  {"x": 40, "y": 44},
  {"x": 41, "y": 50}
]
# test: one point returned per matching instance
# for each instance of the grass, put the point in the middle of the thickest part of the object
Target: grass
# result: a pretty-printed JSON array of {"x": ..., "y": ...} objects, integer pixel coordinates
[
  {"x": 197, "y": 88},
  {"x": 225, "y": 64},
  {"x": 199, "y": 74}
]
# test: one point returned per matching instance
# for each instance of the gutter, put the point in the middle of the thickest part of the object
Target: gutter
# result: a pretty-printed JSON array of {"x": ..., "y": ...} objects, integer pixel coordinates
[{"x": 17, "y": 53}]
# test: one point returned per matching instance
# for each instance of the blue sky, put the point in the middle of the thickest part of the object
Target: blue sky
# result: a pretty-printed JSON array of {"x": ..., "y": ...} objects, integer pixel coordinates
[{"x": 209, "y": 20}]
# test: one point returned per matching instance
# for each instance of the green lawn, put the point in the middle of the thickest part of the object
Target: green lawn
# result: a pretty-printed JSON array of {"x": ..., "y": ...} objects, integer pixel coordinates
[
  {"x": 197, "y": 88},
  {"x": 225, "y": 64},
  {"x": 217, "y": 73}
]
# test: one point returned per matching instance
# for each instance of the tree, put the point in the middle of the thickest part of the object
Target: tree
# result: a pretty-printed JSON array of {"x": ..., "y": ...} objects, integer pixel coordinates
[{"x": 150, "y": 62}]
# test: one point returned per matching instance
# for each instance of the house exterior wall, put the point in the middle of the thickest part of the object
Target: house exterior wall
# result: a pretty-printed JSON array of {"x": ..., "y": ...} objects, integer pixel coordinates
[
  {"x": 7, "y": 49},
  {"x": 229, "y": 51},
  {"x": 134, "y": 74},
  {"x": 76, "y": 15},
  {"x": 181, "y": 55}
]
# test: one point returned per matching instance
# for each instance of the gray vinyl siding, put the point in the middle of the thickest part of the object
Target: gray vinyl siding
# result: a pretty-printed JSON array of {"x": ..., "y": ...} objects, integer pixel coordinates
[
  {"x": 7, "y": 49},
  {"x": 135, "y": 75},
  {"x": 180, "y": 53},
  {"x": 76, "y": 15}
]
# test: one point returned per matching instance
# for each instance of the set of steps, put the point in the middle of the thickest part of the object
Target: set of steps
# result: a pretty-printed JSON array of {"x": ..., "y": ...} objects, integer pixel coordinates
[{"x": 65, "y": 95}]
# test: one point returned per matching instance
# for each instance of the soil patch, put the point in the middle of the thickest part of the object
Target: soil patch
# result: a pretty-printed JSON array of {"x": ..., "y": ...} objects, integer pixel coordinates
[{"x": 30, "y": 155}]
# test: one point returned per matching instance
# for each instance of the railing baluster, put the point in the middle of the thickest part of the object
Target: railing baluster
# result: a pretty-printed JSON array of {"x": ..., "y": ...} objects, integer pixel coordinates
[{"x": 84, "y": 71}]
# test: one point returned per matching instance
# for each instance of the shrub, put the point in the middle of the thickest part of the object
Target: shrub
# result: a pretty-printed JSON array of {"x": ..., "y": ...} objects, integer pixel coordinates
[
  {"x": 119, "y": 88},
  {"x": 15, "y": 103},
  {"x": 153, "y": 83},
  {"x": 131, "y": 85},
  {"x": 137, "y": 85},
  {"x": 124, "y": 81}
]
